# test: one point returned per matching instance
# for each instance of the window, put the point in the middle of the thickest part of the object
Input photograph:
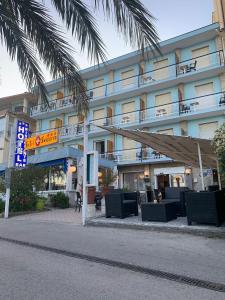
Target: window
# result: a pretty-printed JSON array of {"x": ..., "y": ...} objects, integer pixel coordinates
[
  {"x": 204, "y": 60},
  {"x": 100, "y": 147},
  {"x": 99, "y": 88},
  {"x": 134, "y": 181},
  {"x": 166, "y": 131},
  {"x": 206, "y": 101},
  {"x": 207, "y": 130},
  {"x": 57, "y": 95},
  {"x": 57, "y": 123},
  {"x": 161, "y": 69},
  {"x": 163, "y": 105},
  {"x": 128, "y": 114},
  {"x": 99, "y": 116},
  {"x": 130, "y": 149},
  {"x": 127, "y": 78},
  {"x": 72, "y": 120}
]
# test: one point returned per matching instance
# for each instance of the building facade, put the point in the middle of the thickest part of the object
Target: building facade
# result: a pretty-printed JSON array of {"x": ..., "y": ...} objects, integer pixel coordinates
[
  {"x": 13, "y": 108},
  {"x": 181, "y": 92}
]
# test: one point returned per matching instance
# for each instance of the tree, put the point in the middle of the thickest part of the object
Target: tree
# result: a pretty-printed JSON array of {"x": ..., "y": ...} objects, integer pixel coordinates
[
  {"x": 219, "y": 146},
  {"x": 27, "y": 28}
]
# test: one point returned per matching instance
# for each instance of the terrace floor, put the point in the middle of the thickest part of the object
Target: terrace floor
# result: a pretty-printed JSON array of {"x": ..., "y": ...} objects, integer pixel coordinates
[{"x": 178, "y": 225}]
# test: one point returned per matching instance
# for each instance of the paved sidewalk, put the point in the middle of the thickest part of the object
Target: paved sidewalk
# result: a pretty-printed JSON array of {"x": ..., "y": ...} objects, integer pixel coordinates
[{"x": 54, "y": 215}]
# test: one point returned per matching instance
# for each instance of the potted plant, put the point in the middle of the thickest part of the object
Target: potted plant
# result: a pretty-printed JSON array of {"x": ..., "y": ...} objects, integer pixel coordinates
[{"x": 106, "y": 178}]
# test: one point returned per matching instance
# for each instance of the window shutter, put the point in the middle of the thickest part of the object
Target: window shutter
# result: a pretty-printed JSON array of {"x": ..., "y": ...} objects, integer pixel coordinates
[
  {"x": 202, "y": 90},
  {"x": 110, "y": 149},
  {"x": 129, "y": 147},
  {"x": 99, "y": 88},
  {"x": 58, "y": 123},
  {"x": 109, "y": 115},
  {"x": 203, "y": 61},
  {"x": 99, "y": 116},
  {"x": 72, "y": 120},
  {"x": 163, "y": 104},
  {"x": 127, "y": 78},
  {"x": 128, "y": 112},
  {"x": 161, "y": 69},
  {"x": 207, "y": 130},
  {"x": 59, "y": 95},
  {"x": 80, "y": 147},
  {"x": 80, "y": 118}
]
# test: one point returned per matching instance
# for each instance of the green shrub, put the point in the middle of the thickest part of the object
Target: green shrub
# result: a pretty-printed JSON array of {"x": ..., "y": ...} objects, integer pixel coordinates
[
  {"x": 60, "y": 200},
  {"x": 23, "y": 202},
  {"x": 2, "y": 206},
  {"x": 40, "y": 204}
]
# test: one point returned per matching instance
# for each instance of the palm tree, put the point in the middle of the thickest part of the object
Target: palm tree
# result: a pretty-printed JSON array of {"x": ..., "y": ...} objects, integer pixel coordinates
[{"x": 30, "y": 34}]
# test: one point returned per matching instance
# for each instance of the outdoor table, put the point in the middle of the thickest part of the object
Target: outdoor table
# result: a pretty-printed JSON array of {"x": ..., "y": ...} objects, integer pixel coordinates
[
  {"x": 162, "y": 212},
  {"x": 183, "y": 68},
  {"x": 194, "y": 105}
]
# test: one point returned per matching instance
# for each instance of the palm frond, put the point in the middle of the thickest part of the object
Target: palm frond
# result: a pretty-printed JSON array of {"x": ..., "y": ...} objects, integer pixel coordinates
[
  {"x": 20, "y": 49},
  {"x": 83, "y": 25},
  {"x": 133, "y": 20}
]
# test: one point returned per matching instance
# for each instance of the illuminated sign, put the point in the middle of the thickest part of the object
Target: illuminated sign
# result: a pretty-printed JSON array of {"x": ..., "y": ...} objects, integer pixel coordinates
[
  {"x": 22, "y": 132},
  {"x": 42, "y": 140}
]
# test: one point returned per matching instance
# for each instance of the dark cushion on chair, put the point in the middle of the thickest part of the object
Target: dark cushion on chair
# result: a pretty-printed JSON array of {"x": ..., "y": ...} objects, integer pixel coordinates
[{"x": 174, "y": 192}]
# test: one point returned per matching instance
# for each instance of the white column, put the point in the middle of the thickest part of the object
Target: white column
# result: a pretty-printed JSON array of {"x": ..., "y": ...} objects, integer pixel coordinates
[
  {"x": 69, "y": 175},
  {"x": 9, "y": 165},
  {"x": 218, "y": 174},
  {"x": 85, "y": 188},
  {"x": 200, "y": 165}
]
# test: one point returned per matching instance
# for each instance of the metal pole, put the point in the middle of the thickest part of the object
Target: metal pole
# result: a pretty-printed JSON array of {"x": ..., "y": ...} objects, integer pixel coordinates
[
  {"x": 218, "y": 174},
  {"x": 85, "y": 188},
  {"x": 200, "y": 165},
  {"x": 8, "y": 171}
]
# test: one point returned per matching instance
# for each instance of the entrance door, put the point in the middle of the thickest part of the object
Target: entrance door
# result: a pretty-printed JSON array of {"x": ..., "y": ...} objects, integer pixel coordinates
[{"x": 162, "y": 182}]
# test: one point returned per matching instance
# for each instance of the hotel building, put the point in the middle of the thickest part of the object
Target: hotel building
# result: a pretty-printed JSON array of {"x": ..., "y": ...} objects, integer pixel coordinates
[{"x": 180, "y": 92}]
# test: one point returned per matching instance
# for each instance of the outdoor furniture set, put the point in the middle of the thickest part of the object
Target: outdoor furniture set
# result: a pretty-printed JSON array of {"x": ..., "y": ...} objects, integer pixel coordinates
[{"x": 206, "y": 207}]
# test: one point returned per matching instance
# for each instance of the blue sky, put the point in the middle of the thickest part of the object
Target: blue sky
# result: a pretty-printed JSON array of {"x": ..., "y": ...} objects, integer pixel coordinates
[{"x": 173, "y": 17}]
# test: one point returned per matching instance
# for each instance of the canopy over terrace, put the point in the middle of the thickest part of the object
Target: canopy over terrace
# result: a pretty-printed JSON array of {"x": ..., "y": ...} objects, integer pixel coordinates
[{"x": 191, "y": 151}]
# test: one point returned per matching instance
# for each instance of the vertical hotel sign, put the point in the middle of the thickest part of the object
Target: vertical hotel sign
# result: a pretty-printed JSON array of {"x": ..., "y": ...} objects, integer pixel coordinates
[{"x": 22, "y": 131}]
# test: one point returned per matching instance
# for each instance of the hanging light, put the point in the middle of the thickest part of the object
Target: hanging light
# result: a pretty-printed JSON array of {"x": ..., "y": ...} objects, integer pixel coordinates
[
  {"x": 99, "y": 174},
  {"x": 72, "y": 169},
  {"x": 187, "y": 171}
]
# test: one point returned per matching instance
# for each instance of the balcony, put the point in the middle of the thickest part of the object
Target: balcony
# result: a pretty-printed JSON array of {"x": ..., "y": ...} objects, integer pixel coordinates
[
  {"x": 193, "y": 108},
  {"x": 184, "y": 71},
  {"x": 55, "y": 106},
  {"x": 161, "y": 78},
  {"x": 135, "y": 155},
  {"x": 70, "y": 131},
  {"x": 202, "y": 106}
]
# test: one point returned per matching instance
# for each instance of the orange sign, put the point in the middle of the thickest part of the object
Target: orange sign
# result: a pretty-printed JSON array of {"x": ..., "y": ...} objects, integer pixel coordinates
[{"x": 41, "y": 140}]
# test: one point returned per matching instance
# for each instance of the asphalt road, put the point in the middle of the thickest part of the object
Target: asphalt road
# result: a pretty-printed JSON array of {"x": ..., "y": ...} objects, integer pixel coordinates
[
  {"x": 27, "y": 273},
  {"x": 32, "y": 274}
]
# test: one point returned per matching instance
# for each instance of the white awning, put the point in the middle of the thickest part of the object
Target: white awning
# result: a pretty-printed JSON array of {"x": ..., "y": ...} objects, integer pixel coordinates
[{"x": 179, "y": 148}]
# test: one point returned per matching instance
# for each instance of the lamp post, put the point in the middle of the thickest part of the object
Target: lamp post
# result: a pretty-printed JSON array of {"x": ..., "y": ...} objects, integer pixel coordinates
[
  {"x": 8, "y": 174},
  {"x": 85, "y": 188}
]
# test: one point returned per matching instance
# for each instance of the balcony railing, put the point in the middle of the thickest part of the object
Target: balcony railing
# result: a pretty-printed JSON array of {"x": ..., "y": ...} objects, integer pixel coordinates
[
  {"x": 182, "y": 68},
  {"x": 70, "y": 131},
  {"x": 135, "y": 155},
  {"x": 196, "y": 105}
]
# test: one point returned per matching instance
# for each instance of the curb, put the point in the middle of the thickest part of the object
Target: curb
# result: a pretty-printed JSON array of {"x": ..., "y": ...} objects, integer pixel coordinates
[{"x": 196, "y": 232}]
